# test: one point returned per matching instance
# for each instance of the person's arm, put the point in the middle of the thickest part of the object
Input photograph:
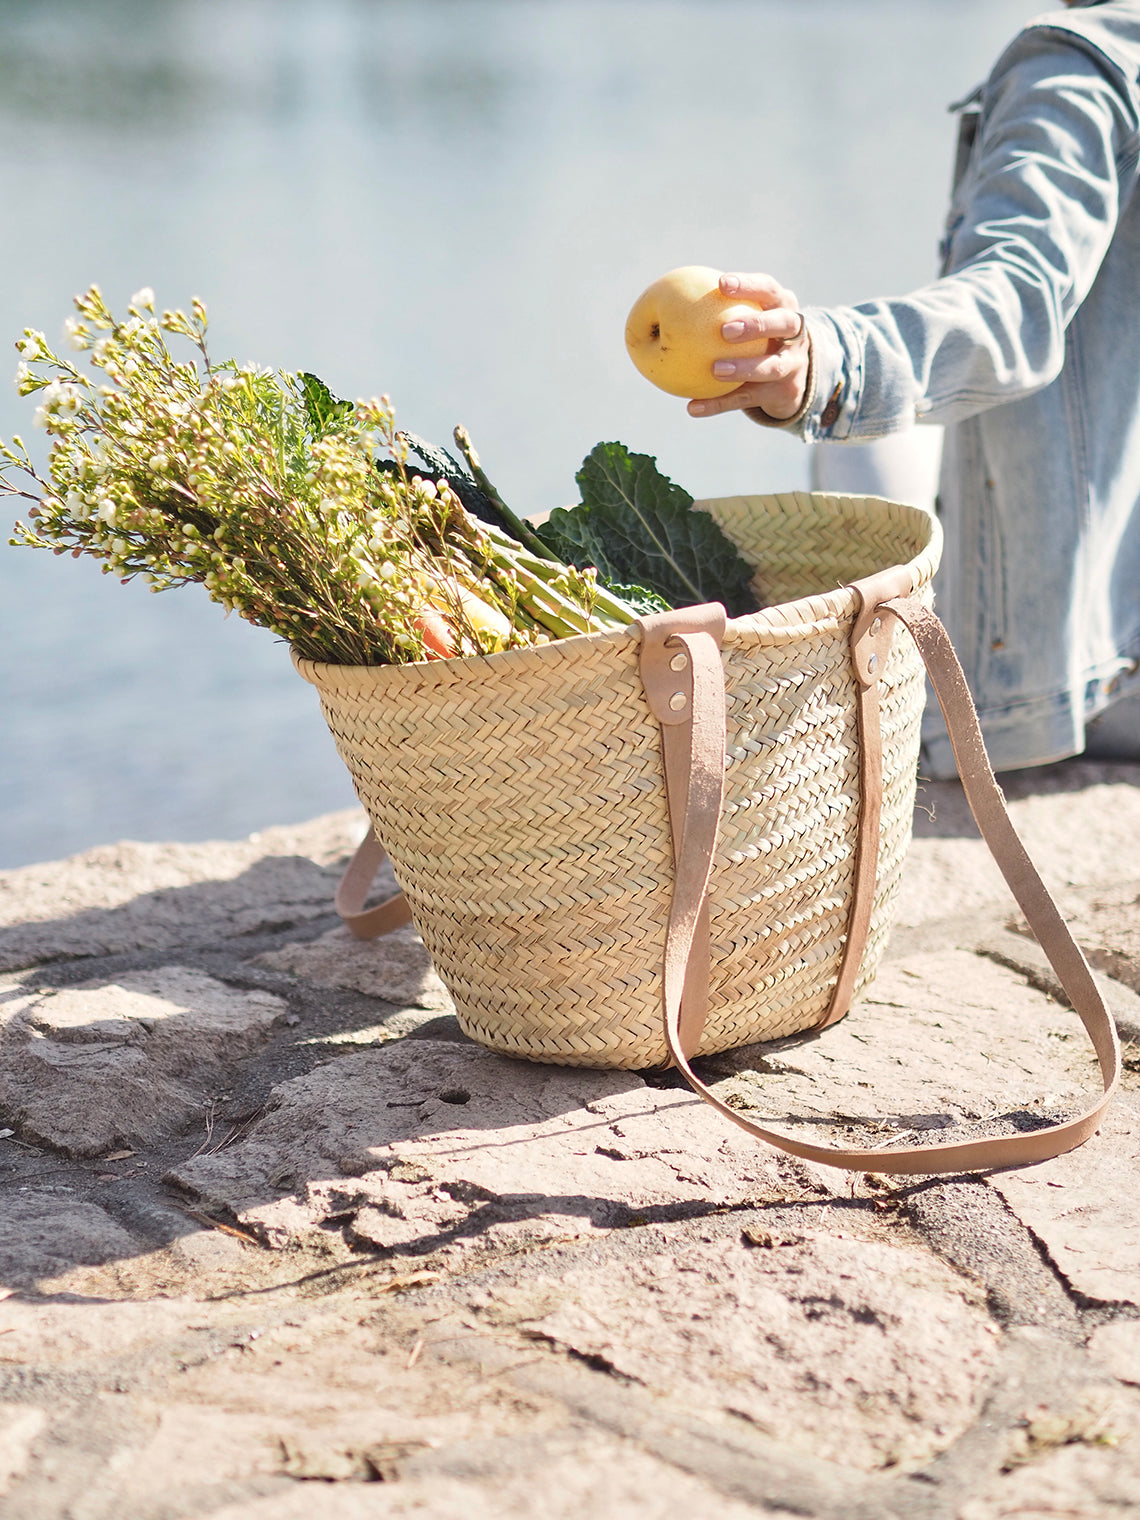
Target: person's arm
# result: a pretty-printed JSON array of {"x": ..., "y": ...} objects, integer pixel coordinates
[{"x": 1058, "y": 145}]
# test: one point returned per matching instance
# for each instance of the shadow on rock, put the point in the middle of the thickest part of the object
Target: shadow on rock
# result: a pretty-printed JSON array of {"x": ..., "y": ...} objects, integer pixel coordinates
[
  {"x": 942, "y": 812},
  {"x": 129, "y": 898},
  {"x": 424, "y": 1142}
]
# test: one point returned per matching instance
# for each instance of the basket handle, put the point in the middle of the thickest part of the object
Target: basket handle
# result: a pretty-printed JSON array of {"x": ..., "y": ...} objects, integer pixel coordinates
[
  {"x": 369, "y": 923},
  {"x": 696, "y": 788}
]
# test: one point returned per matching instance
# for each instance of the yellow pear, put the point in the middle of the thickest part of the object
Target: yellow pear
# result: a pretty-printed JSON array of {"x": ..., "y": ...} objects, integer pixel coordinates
[{"x": 673, "y": 332}]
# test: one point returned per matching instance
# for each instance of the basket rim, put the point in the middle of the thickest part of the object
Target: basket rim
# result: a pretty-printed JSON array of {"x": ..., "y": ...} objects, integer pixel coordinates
[{"x": 782, "y": 623}]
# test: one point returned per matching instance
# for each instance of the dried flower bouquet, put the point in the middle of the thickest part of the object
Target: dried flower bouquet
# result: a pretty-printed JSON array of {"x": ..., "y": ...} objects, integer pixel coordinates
[{"x": 294, "y": 510}]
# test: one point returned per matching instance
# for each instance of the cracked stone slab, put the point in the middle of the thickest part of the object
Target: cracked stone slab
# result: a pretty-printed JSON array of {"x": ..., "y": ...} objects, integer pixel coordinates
[
  {"x": 128, "y": 897},
  {"x": 1117, "y": 1348},
  {"x": 418, "y": 1142},
  {"x": 851, "y": 1351},
  {"x": 1107, "y": 927},
  {"x": 82, "y": 1339},
  {"x": 593, "y": 1479},
  {"x": 197, "y": 1447},
  {"x": 101, "y": 1064},
  {"x": 199, "y": 1404},
  {"x": 945, "y": 1044},
  {"x": 297, "y": 1407},
  {"x": 1021, "y": 953},
  {"x": 192, "y": 1404},
  {"x": 969, "y": 1226},
  {"x": 1071, "y": 818},
  {"x": 1084, "y": 1207},
  {"x": 395, "y": 967},
  {"x": 19, "y": 1427}
]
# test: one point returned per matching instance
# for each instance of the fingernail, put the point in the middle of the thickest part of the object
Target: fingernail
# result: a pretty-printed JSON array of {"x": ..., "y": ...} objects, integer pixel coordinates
[
  {"x": 733, "y": 330},
  {"x": 698, "y": 408},
  {"x": 730, "y": 284},
  {"x": 724, "y": 369}
]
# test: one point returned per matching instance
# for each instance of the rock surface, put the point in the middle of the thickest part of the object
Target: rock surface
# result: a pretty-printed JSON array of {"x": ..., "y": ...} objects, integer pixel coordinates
[
  {"x": 1072, "y": 1205},
  {"x": 396, "y": 968},
  {"x": 1107, "y": 924},
  {"x": 101, "y": 1064},
  {"x": 423, "y": 1142},
  {"x": 128, "y": 897},
  {"x": 1072, "y": 819},
  {"x": 858, "y": 1352},
  {"x": 276, "y": 1240}
]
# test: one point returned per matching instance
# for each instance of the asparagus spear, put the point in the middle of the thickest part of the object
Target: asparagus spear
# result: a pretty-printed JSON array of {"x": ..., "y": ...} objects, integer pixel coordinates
[{"x": 521, "y": 530}]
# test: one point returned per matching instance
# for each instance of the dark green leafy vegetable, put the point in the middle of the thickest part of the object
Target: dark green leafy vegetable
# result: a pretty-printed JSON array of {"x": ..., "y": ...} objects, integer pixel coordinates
[
  {"x": 324, "y": 411},
  {"x": 637, "y": 528},
  {"x": 440, "y": 465},
  {"x": 470, "y": 483},
  {"x": 634, "y": 526},
  {"x": 640, "y": 598}
]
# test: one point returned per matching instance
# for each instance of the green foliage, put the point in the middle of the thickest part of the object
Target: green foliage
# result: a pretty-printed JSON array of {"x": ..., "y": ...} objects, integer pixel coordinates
[
  {"x": 440, "y": 465},
  {"x": 637, "y": 528},
  {"x": 325, "y": 412},
  {"x": 640, "y": 598},
  {"x": 307, "y": 514}
]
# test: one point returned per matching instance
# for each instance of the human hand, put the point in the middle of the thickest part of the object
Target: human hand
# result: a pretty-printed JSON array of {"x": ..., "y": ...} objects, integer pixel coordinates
[{"x": 775, "y": 382}]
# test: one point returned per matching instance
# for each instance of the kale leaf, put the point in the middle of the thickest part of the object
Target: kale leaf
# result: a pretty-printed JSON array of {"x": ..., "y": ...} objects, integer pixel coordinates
[
  {"x": 323, "y": 410},
  {"x": 638, "y": 528},
  {"x": 444, "y": 466},
  {"x": 470, "y": 483},
  {"x": 640, "y": 598}
]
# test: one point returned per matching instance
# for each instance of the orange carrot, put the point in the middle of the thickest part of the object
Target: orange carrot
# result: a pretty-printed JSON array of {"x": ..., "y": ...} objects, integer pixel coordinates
[{"x": 436, "y": 633}]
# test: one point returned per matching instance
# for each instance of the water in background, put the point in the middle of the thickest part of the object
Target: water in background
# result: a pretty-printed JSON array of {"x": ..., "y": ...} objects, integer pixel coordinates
[{"x": 455, "y": 201}]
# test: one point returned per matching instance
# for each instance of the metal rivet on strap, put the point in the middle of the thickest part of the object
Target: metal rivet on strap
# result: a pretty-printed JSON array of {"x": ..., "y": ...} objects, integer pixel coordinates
[
  {"x": 876, "y": 625},
  {"x": 677, "y": 701},
  {"x": 678, "y": 662},
  {"x": 873, "y": 663}
]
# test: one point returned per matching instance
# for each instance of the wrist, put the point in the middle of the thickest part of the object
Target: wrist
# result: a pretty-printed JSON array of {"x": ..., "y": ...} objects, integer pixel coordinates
[{"x": 765, "y": 419}]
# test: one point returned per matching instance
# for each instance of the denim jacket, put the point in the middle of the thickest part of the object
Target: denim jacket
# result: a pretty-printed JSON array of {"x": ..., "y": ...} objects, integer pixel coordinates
[{"x": 1028, "y": 347}]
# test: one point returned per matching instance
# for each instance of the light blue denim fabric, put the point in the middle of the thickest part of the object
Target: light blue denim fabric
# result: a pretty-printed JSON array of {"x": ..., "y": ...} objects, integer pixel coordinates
[{"x": 1028, "y": 348}]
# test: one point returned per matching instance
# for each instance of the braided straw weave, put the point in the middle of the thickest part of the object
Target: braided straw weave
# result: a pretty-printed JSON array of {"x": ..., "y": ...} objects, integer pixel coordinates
[{"x": 521, "y": 799}]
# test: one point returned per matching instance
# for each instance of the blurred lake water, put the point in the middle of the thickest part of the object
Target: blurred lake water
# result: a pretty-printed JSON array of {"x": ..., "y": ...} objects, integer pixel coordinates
[{"x": 455, "y": 201}]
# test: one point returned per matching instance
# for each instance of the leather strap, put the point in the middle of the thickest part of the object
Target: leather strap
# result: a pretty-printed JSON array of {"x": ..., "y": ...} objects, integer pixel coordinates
[
  {"x": 870, "y": 643},
  {"x": 667, "y": 667},
  {"x": 702, "y": 790},
  {"x": 369, "y": 923}
]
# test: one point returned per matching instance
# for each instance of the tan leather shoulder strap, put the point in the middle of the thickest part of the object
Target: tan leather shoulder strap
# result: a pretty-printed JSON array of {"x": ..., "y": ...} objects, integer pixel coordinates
[
  {"x": 698, "y": 794},
  {"x": 870, "y": 643},
  {"x": 369, "y": 923},
  {"x": 667, "y": 674}
]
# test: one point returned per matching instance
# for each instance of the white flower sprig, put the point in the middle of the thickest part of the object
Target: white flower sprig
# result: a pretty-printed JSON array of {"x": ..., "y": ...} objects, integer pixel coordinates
[{"x": 187, "y": 471}]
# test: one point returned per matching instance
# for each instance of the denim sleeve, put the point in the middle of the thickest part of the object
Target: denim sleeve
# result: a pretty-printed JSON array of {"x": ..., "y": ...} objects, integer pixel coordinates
[{"x": 1031, "y": 225}]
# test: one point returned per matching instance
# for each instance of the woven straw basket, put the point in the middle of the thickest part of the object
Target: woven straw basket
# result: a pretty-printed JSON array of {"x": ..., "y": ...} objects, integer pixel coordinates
[
  {"x": 687, "y": 835},
  {"x": 520, "y": 797}
]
